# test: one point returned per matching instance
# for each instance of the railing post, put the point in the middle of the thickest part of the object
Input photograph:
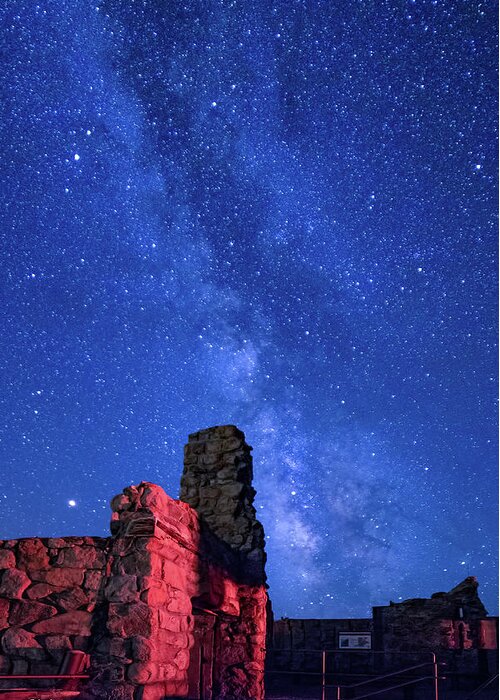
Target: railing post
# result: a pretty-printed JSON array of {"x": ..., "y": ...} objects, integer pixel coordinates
[
  {"x": 435, "y": 672},
  {"x": 323, "y": 675}
]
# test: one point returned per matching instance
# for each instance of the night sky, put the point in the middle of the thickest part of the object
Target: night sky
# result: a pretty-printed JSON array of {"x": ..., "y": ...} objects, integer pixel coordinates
[{"x": 279, "y": 214}]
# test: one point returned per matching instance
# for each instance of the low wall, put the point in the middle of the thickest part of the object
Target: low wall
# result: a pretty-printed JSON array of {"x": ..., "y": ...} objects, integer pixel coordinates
[
  {"x": 49, "y": 590},
  {"x": 128, "y": 602}
]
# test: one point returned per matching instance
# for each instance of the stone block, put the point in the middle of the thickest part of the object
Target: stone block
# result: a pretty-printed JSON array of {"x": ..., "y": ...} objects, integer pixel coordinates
[
  {"x": 76, "y": 622},
  {"x": 70, "y": 599},
  {"x": 179, "y": 605},
  {"x": 155, "y": 597},
  {"x": 32, "y": 554},
  {"x": 130, "y": 620},
  {"x": 144, "y": 672},
  {"x": 122, "y": 589},
  {"x": 143, "y": 649},
  {"x": 13, "y": 583},
  {"x": 120, "y": 503},
  {"x": 19, "y": 666},
  {"x": 181, "y": 640},
  {"x": 82, "y": 643},
  {"x": 57, "y": 542},
  {"x": 7, "y": 559},
  {"x": 172, "y": 622},
  {"x": 20, "y": 642},
  {"x": 4, "y": 613},
  {"x": 56, "y": 643},
  {"x": 81, "y": 558},
  {"x": 155, "y": 499},
  {"x": 60, "y": 577},
  {"x": 139, "y": 564},
  {"x": 114, "y": 646},
  {"x": 93, "y": 579},
  {"x": 182, "y": 659},
  {"x": 24, "y": 612},
  {"x": 231, "y": 444},
  {"x": 39, "y": 590},
  {"x": 176, "y": 576}
]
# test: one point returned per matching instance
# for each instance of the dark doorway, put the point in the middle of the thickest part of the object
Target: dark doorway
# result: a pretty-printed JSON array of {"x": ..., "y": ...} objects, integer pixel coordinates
[{"x": 201, "y": 666}]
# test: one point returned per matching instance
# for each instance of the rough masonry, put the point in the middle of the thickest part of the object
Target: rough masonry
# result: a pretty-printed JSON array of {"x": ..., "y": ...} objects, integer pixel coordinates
[{"x": 173, "y": 604}]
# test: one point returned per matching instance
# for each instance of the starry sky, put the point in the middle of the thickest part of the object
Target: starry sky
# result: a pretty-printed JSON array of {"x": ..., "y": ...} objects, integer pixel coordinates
[{"x": 279, "y": 214}]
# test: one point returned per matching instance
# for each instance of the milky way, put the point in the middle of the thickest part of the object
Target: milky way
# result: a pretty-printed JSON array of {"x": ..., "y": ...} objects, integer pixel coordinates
[{"x": 277, "y": 214}]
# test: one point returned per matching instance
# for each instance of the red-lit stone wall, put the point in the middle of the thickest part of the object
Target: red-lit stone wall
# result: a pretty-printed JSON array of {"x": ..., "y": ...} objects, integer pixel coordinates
[
  {"x": 49, "y": 590},
  {"x": 130, "y": 600}
]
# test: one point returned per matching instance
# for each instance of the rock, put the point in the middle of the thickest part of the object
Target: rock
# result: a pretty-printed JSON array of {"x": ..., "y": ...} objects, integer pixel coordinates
[
  {"x": 4, "y": 613},
  {"x": 56, "y": 642},
  {"x": 17, "y": 641},
  {"x": 130, "y": 620},
  {"x": 154, "y": 498},
  {"x": 93, "y": 580},
  {"x": 143, "y": 649},
  {"x": 13, "y": 583},
  {"x": 32, "y": 554},
  {"x": 62, "y": 578},
  {"x": 120, "y": 503},
  {"x": 70, "y": 599},
  {"x": 122, "y": 589},
  {"x": 74, "y": 622},
  {"x": 23, "y": 612},
  {"x": 114, "y": 646},
  {"x": 174, "y": 623},
  {"x": 81, "y": 557},
  {"x": 7, "y": 559},
  {"x": 39, "y": 590}
]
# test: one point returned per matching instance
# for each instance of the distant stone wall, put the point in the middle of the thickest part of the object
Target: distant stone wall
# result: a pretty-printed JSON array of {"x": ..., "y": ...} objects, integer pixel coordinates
[
  {"x": 291, "y": 637},
  {"x": 49, "y": 590},
  {"x": 444, "y": 621}
]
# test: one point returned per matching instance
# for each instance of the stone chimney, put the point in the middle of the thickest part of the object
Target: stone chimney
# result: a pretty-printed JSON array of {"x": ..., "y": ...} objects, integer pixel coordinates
[{"x": 217, "y": 483}]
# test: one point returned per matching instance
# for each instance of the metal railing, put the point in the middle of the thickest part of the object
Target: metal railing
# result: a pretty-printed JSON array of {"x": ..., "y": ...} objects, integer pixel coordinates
[
  {"x": 483, "y": 686},
  {"x": 339, "y": 688}
]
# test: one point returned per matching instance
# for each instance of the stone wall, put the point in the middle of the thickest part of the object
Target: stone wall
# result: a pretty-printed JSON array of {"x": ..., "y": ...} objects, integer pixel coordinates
[
  {"x": 49, "y": 590},
  {"x": 133, "y": 600},
  {"x": 449, "y": 620},
  {"x": 296, "y": 644}
]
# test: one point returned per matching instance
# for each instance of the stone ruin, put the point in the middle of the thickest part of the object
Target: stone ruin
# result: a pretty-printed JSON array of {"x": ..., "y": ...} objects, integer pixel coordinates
[
  {"x": 453, "y": 620},
  {"x": 454, "y": 625},
  {"x": 173, "y": 604}
]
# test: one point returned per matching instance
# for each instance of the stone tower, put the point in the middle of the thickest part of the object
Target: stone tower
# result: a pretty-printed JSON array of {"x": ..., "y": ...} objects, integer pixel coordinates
[{"x": 217, "y": 483}]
